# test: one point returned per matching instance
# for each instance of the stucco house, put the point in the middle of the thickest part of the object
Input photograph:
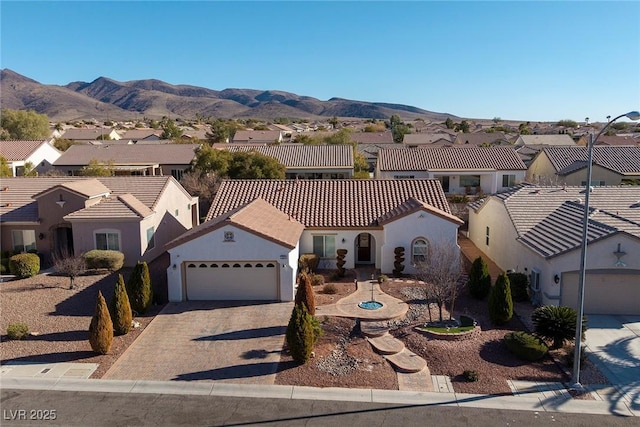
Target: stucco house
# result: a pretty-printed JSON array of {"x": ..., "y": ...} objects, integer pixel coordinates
[
  {"x": 81, "y": 134},
  {"x": 538, "y": 231},
  {"x": 461, "y": 170},
  {"x": 257, "y": 137},
  {"x": 40, "y": 153},
  {"x": 542, "y": 140},
  {"x": 612, "y": 165},
  {"x": 428, "y": 139},
  {"x": 71, "y": 215},
  {"x": 259, "y": 228},
  {"x": 481, "y": 138}
]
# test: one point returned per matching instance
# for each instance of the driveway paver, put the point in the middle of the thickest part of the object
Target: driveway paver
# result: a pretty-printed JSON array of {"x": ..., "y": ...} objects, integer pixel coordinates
[{"x": 237, "y": 342}]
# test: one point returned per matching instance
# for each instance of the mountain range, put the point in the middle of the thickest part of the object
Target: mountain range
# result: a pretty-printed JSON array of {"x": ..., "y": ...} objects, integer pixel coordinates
[{"x": 105, "y": 98}]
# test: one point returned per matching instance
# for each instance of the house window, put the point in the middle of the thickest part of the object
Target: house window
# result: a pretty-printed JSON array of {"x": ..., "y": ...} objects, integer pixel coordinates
[
  {"x": 508, "y": 180},
  {"x": 403, "y": 176},
  {"x": 486, "y": 237},
  {"x": 444, "y": 180},
  {"x": 151, "y": 238},
  {"x": 108, "y": 240},
  {"x": 176, "y": 212},
  {"x": 24, "y": 240},
  {"x": 324, "y": 246},
  {"x": 469, "y": 180},
  {"x": 177, "y": 173},
  {"x": 228, "y": 236},
  {"x": 419, "y": 250},
  {"x": 593, "y": 183}
]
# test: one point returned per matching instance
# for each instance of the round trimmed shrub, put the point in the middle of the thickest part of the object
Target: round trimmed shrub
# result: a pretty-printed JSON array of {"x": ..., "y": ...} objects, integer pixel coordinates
[
  {"x": 470, "y": 376},
  {"x": 317, "y": 280},
  {"x": 111, "y": 260},
  {"x": 519, "y": 286},
  {"x": 24, "y": 265},
  {"x": 556, "y": 324},
  {"x": 308, "y": 262},
  {"x": 525, "y": 346},
  {"x": 329, "y": 289},
  {"x": 17, "y": 331}
]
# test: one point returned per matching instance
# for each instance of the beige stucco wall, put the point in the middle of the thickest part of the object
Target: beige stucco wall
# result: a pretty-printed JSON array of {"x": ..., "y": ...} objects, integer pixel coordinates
[{"x": 598, "y": 173}]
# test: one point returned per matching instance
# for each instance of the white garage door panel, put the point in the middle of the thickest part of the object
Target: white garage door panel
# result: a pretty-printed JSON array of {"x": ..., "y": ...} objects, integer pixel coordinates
[
  {"x": 604, "y": 293},
  {"x": 247, "y": 280}
]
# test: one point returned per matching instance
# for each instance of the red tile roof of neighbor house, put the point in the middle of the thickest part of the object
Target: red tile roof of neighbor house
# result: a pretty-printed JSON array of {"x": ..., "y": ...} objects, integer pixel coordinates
[
  {"x": 163, "y": 154},
  {"x": 301, "y": 156},
  {"x": 426, "y": 138},
  {"x": 263, "y": 136},
  {"x": 18, "y": 203},
  {"x": 558, "y": 139},
  {"x": 86, "y": 134},
  {"x": 258, "y": 217},
  {"x": 450, "y": 158},
  {"x": 331, "y": 203},
  {"x": 372, "y": 137},
  {"x": 14, "y": 150},
  {"x": 480, "y": 138},
  {"x": 623, "y": 160}
]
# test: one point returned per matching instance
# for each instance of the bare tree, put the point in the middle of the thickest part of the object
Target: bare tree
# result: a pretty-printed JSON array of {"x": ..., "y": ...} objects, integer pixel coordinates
[
  {"x": 441, "y": 273},
  {"x": 201, "y": 184},
  {"x": 71, "y": 266}
]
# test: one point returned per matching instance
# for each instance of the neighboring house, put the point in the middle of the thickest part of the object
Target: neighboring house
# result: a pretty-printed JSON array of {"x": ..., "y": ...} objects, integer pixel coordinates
[
  {"x": 257, "y": 137},
  {"x": 612, "y": 165},
  {"x": 632, "y": 140},
  {"x": 538, "y": 231},
  {"x": 75, "y": 134},
  {"x": 160, "y": 159},
  {"x": 259, "y": 228},
  {"x": 429, "y": 139},
  {"x": 136, "y": 135},
  {"x": 370, "y": 152},
  {"x": 543, "y": 140},
  {"x": 462, "y": 170},
  {"x": 481, "y": 138},
  {"x": 305, "y": 161},
  {"x": 195, "y": 134},
  {"x": 41, "y": 154},
  {"x": 372, "y": 137},
  {"x": 71, "y": 215}
]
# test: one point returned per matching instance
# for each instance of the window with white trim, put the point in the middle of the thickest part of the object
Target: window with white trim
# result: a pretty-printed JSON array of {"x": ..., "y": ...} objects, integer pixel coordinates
[
  {"x": 24, "y": 240},
  {"x": 324, "y": 246},
  {"x": 508, "y": 180},
  {"x": 151, "y": 238},
  {"x": 419, "y": 250},
  {"x": 108, "y": 240}
]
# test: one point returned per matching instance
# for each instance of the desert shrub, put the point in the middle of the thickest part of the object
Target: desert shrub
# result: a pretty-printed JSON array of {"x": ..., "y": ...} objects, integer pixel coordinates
[
  {"x": 329, "y": 289},
  {"x": 340, "y": 262},
  {"x": 139, "y": 288},
  {"x": 71, "y": 266},
  {"x": 111, "y": 260},
  {"x": 302, "y": 333},
  {"x": 383, "y": 278},
  {"x": 120, "y": 309},
  {"x": 525, "y": 346},
  {"x": 24, "y": 265},
  {"x": 308, "y": 262},
  {"x": 479, "y": 283},
  {"x": 500, "y": 301},
  {"x": 556, "y": 324},
  {"x": 398, "y": 263},
  {"x": 101, "y": 327},
  {"x": 317, "y": 280},
  {"x": 17, "y": 331},
  {"x": 470, "y": 376},
  {"x": 334, "y": 276},
  {"x": 305, "y": 295},
  {"x": 519, "y": 286}
]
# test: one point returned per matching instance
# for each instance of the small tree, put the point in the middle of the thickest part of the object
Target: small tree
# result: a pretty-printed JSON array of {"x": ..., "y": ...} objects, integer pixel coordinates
[
  {"x": 139, "y": 288},
  {"x": 101, "y": 328},
  {"x": 500, "y": 301},
  {"x": 340, "y": 262},
  {"x": 556, "y": 323},
  {"x": 479, "y": 283},
  {"x": 71, "y": 266},
  {"x": 302, "y": 334},
  {"x": 120, "y": 309},
  {"x": 305, "y": 295}
]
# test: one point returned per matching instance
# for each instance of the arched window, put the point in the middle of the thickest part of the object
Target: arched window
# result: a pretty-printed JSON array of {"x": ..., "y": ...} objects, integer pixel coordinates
[{"x": 419, "y": 250}]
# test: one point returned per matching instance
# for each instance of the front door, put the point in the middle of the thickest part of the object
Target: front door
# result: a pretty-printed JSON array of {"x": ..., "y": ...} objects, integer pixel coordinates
[
  {"x": 62, "y": 242},
  {"x": 364, "y": 247}
]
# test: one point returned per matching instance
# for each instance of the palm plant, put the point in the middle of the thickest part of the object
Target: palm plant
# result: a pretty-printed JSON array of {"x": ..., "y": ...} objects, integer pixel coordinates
[{"x": 556, "y": 323}]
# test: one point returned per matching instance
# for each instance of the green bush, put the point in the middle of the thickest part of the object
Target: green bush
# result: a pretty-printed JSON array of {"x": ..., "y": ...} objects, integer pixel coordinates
[
  {"x": 329, "y": 289},
  {"x": 317, "y": 280},
  {"x": 309, "y": 262},
  {"x": 500, "y": 301},
  {"x": 302, "y": 333},
  {"x": 470, "y": 376},
  {"x": 111, "y": 260},
  {"x": 525, "y": 346},
  {"x": 556, "y": 324},
  {"x": 519, "y": 286},
  {"x": 101, "y": 327},
  {"x": 398, "y": 263},
  {"x": 382, "y": 278},
  {"x": 305, "y": 295},
  {"x": 120, "y": 309},
  {"x": 24, "y": 265},
  {"x": 17, "y": 331},
  {"x": 139, "y": 288},
  {"x": 479, "y": 283}
]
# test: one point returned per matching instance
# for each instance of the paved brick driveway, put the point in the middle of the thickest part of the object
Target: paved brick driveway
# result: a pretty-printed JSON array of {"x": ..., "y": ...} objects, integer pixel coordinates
[{"x": 208, "y": 340}]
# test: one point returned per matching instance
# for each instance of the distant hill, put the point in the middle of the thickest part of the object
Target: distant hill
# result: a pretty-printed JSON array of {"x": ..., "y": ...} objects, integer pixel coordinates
[{"x": 106, "y": 98}]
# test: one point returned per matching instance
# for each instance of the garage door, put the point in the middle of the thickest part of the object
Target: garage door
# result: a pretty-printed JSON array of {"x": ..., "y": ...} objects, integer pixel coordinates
[
  {"x": 605, "y": 293},
  {"x": 246, "y": 280}
]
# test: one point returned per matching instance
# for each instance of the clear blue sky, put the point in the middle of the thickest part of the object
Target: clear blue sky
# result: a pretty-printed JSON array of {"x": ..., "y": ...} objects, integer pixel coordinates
[{"x": 537, "y": 61}]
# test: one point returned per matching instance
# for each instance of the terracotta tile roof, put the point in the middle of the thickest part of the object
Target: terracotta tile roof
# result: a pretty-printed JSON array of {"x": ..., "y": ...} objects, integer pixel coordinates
[
  {"x": 120, "y": 207},
  {"x": 451, "y": 158},
  {"x": 15, "y": 150},
  {"x": 258, "y": 217},
  {"x": 88, "y": 188},
  {"x": 426, "y": 138},
  {"x": 330, "y": 203},
  {"x": 559, "y": 139},
  {"x": 301, "y": 156},
  {"x": 623, "y": 160},
  {"x": 372, "y": 137},
  {"x": 163, "y": 154},
  {"x": 633, "y": 140},
  {"x": 412, "y": 205},
  {"x": 253, "y": 136},
  {"x": 480, "y": 138},
  {"x": 370, "y": 151},
  {"x": 136, "y": 134},
  {"x": 85, "y": 134},
  {"x": 18, "y": 204}
]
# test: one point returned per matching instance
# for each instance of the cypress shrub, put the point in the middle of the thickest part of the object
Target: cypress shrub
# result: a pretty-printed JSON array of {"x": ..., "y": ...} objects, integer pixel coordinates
[
  {"x": 24, "y": 265},
  {"x": 525, "y": 346},
  {"x": 120, "y": 309},
  {"x": 556, "y": 323},
  {"x": 101, "y": 328},
  {"x": 500, "y": 301},
  {"x": 479, "y": 283},
  {"x": 398, "y": 263},
  {"x": 301, "y": 334},
  {"x": 519, "y": 286},
  {"x": 305, "y": 295},
  {"x": 139, "y": 288}
]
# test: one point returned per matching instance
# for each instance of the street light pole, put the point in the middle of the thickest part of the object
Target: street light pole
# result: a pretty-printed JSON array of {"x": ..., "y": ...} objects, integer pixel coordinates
[{"x": 632, "y": 115}]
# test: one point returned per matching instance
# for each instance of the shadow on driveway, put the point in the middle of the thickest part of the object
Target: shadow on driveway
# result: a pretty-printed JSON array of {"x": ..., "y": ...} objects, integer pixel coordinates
[{"x": 246, "y": 334}]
